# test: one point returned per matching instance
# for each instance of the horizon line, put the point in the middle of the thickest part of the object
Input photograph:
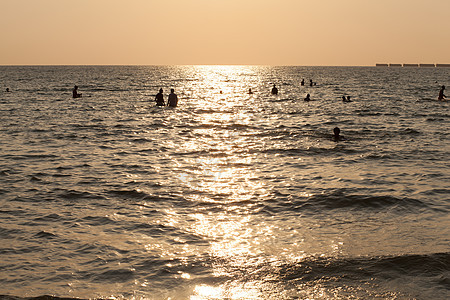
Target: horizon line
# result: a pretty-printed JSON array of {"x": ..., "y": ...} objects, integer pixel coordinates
[{"x": 166, "y": 65}]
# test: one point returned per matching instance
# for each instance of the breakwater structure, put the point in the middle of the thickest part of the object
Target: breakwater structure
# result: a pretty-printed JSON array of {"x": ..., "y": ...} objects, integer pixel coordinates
[{"x": 414, "y": 65}]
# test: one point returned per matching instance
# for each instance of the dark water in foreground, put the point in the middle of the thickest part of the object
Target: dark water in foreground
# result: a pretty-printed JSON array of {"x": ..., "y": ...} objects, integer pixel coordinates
[{"x": 229, "y": 195}]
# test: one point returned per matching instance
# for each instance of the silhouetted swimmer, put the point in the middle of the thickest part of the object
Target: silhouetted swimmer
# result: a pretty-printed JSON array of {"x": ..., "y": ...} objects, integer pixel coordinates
[
  {"x": 250, "y": 91},
  {"x": 173, "y": 99},
  {"x": 303, "y": 82},
  {"x": 274, "y": 90},
  {"x": 160, "y": 98},
  {"x": 75, "y": 93},
  {"x": 307, "y": 98},
  {"x": 337, "y": 137},
  {"x": 7, "y": 90},
  {"x": 441, "y": 93},
  {"x": 311, "y": 82}
]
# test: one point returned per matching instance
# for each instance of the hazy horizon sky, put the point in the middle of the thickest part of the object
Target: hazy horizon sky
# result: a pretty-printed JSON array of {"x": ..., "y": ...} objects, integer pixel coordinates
[{"x": 237, "y": 32}]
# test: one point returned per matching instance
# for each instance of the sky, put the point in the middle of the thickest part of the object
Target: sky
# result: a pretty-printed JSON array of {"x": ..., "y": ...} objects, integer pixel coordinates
[{"x": 224, "y": 32}]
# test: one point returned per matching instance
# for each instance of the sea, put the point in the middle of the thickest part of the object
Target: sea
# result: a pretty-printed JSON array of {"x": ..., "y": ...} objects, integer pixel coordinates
[{"x": 229, "y": 195}]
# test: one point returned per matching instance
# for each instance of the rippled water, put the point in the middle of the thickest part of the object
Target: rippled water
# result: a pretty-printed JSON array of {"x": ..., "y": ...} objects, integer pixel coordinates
[{"x": 229, "y": 195}]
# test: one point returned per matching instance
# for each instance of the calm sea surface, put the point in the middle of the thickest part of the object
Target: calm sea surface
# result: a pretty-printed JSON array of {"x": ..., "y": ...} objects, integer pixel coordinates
[{"x": 230, "y": 195}]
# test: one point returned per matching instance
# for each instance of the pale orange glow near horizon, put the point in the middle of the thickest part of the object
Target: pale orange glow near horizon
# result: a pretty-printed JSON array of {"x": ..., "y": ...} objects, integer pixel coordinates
[{"x": 221, "y": 32}]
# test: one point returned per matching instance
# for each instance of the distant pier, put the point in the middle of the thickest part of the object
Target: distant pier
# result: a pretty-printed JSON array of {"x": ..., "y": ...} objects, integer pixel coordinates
[{"x": 415, "y": 65}]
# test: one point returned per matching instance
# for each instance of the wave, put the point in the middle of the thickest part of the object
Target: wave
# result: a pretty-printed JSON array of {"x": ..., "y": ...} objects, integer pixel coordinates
[
  {"x": 409, "y": 276},
  {"x": 233, "y": 126},
  {"x": 314, "y": 268},
  {"x": 313, "y": 151},
  {"x": 45, "y": 235},
  {"x": 76, "y": 195},
  {"x": 203, "y": 153},
  {"x": 97, "y": 220},
  {"x": 378, "y": 273},
  {"x": 28, "y": 156},
  {"x": 341, "y": 200},
  {"x": 130, "y": 194}
]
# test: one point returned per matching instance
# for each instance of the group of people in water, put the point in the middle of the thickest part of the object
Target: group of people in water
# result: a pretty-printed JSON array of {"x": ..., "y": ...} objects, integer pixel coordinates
[
  {"x": 159, "y": 99},
  {"x": 302, "y": 83},
  {"x": 172, "y": 100},
  {"x": 345, "y": 99},
  {"x": 308, "y": 96},
  {"x": 311, "y": 83}
]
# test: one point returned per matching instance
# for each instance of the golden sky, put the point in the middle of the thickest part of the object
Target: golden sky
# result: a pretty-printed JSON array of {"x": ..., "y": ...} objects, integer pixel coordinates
[{"x": 261, "y": 32}]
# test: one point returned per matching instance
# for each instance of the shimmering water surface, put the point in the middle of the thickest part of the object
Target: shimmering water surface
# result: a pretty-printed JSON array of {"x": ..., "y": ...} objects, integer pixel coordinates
[{"x": 229, "y": 195}]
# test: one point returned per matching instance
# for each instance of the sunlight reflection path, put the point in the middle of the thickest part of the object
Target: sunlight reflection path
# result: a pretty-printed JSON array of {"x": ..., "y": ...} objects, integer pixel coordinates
[{"x": 221, "y": 179}]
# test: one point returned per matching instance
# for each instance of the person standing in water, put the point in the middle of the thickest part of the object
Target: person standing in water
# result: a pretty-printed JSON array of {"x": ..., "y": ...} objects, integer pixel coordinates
[
  {"x": 75, "y": 93},
  {"x": 307, "y": 98},
  {"x": 274, "y": 90},
  {"x": 173, "y": 99},
  {"x": 337, "y": 137},
  {"x": 441, "y": 93},
  {"x": 159, "y": 99},
  {"x": 303, "y": 82}
]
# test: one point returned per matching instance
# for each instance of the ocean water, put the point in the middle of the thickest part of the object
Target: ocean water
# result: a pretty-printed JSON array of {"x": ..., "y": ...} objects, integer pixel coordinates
[{"x": 230, "y": 195}]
